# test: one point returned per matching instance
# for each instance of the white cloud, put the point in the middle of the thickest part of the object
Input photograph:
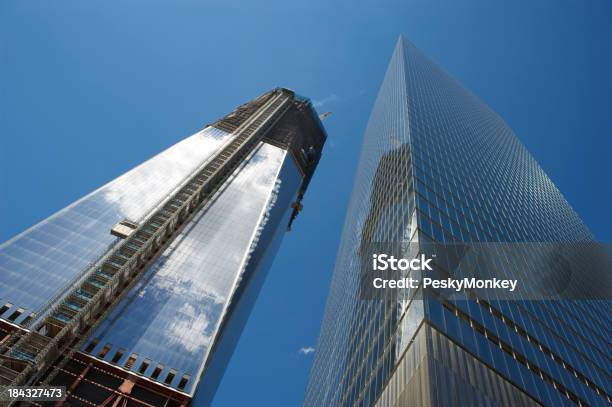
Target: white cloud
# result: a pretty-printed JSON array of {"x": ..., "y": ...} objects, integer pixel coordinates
[
  {"x": 191, "y": 329},
  {"x": 331, "y": 98},
  {"x": 307, "y": 350},
  {"x": 137, "y": 191}
]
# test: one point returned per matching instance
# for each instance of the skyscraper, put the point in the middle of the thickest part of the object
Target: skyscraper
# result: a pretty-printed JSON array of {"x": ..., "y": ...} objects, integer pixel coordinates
[
  {"x": 438, "y": 165},
  {"x": 138, "y": 292}
]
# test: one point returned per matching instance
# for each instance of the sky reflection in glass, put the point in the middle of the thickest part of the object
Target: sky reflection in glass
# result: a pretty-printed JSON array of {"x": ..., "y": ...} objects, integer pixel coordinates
[
  {"x": 43, "y": 259},
  {"x": 171, "y": 315}
]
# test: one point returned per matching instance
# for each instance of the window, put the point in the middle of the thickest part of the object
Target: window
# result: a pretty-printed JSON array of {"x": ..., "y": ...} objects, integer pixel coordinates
[
  {"x": 15, "y": 314},
  {"x": 144, "y": 366},
  {"x": 91, "y": 345},
  {"x": 170, "y": 377},
  {"x": 27, "y": 319},
  {"x": 184, "y": 381},
  {"x": 130, "y": 362},
  {"x": 105, "y": 350},
  {"x": 5, "y": 307},
  {"x": 118, "y": 356},
  {"x": 157, "y": 371}
]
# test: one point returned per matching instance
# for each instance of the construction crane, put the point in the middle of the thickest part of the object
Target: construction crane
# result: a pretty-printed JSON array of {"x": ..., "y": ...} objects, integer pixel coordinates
[{"x": 324, "y": 116}]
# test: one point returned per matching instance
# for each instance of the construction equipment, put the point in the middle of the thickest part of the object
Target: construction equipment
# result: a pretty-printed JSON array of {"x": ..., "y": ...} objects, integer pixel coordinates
[{"x": 27, "y": 357}]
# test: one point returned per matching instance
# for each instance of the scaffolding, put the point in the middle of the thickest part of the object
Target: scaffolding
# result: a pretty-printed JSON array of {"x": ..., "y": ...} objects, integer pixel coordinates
[{"x": 29, "y": 356}]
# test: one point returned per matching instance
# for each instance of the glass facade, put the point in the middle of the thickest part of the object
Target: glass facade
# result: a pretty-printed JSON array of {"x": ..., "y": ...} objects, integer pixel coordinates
[
  {"x": 438, "y": 165},
  {"x": 187, "y": 288},
  {"x": 43, "y": 260},
  {"x": 176, "y": 322}
]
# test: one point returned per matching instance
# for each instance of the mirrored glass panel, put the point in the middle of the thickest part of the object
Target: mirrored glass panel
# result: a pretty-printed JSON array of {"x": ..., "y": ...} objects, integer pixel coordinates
[
  {"x": 38, "y": 263},
  {"x": 170, "y": 317}
]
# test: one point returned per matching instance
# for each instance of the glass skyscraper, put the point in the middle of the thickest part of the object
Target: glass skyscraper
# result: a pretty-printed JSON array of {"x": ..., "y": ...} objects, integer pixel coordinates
[
  {"x": 438, "y": 165},
  {"x": 138, "y": 292}
]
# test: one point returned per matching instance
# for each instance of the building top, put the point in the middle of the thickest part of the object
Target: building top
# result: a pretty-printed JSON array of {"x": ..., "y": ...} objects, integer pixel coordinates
[{"x": 299, "y": 131}]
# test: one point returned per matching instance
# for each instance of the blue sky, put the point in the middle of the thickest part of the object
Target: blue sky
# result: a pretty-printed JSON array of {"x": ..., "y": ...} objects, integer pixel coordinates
[{"x": 90, "y": 89}]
